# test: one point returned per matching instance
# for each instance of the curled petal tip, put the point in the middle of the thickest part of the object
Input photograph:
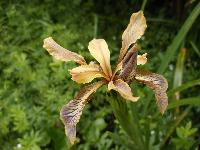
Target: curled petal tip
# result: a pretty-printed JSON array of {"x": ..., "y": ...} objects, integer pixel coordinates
[
  {"x": 134, "y": 99},
  {"x": 46, "y": 42},
  {"x": 133, "y": 32},
  {"x": 158, "y": 83},
  {"x": 71, "y": 132},
  {"x": 61, "y": 53}
]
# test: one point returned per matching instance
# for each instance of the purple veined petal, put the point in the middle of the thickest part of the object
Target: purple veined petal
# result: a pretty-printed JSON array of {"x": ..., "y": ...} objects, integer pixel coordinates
[
  {"x": 71, "y": 112},
  {"x": 156, "y": 82}
]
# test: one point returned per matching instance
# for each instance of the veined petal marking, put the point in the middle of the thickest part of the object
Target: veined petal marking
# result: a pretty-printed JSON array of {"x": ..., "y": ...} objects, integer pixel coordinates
[
  {"x": 61, "y": 53},
  {"x": 123, "y": 89},
  {"x": 71, "y": 112},
  {"x": 156, "y": 82}
]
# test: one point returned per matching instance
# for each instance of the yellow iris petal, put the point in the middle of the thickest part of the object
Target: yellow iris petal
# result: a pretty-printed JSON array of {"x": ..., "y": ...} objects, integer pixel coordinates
[
  {"x": 123, "y": 89},
  {"x": 99, "y": 50},
  {"x": 133, "y": 32},
  {"x": 86, "y": 73}
]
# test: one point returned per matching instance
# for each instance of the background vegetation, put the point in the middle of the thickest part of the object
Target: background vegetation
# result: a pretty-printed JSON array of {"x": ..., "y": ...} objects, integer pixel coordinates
[{"x": 33, "y": 86}]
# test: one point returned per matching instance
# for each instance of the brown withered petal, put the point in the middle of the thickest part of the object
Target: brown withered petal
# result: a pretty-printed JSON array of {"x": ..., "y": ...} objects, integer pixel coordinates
[
  {"x": 99, "y": 50},
  {"x": 133, "y": 32},
  {"x": 156, "y": 82},
  {"x": 129, "y": 64},
  {"x": 123, "y": 89},
  {"x": 61, "y": 53},
  {"x": 86, "y": 73},
  {"x": 71, "y": 112}
]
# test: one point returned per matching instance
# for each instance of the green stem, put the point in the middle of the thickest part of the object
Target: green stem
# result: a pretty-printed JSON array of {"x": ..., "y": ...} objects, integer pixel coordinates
[
  {"x": 148, "y": 101},
  {"x": 95, "y": 25},
  {"x": 122, "y": 114},
  {"x": 143, "y": 5}
]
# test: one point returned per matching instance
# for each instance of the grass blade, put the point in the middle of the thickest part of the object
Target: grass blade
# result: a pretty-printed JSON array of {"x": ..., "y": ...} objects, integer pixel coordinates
[
  {"x": 184, "y": 87},
  {"x": 195, "y": 48},
  {"x": 179, "y": 38},
  {"x": 186, "y": 101},
  {"x": 122, "y": 114},
  {"x": 178, "y": 75}
]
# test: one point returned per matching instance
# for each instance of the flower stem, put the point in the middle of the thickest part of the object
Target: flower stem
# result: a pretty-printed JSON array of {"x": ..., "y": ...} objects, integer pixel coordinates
[{"x": 126, "y": 121}]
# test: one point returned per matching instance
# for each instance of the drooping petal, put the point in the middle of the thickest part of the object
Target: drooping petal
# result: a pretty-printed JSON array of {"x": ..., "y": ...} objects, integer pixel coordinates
[
  {"x": 61, "y": 53},
  {"x": 142, "y": 59},
  {"x": 99, "y": 50},
  {"x": 129, "y": 64},
  {"x": 133, "y": 32},
  {"x": 123, "y": 89},
  {"x": 71, "y": 112},
  {"x": 156, "y": 82},
  {"x": 86, "y": 73}
]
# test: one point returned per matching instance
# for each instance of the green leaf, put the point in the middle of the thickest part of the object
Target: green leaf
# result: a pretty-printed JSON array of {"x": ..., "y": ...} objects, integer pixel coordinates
[
  {"x": 173, "y": 126},
  {"x": 171, "y": 50},
  {"x": 178, "y": 75},
  {"x": 184, "y": 87},
  {"x": 195, "y": 48},
  {"x": 186, "y": 101},
  {"x": 121, "y": 140},
  {"x": 122, "y": 114}
]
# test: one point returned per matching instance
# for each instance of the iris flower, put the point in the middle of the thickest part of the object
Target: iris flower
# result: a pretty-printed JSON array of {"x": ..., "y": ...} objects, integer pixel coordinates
[{"x": 118, "y": 79}]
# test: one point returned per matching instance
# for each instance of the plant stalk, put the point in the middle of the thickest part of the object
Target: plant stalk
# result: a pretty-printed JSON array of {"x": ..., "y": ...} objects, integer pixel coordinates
[{"x": 126, "y": 121}]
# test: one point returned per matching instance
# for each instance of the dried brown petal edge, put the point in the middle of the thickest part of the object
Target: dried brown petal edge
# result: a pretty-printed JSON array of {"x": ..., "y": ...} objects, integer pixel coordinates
[
  {"x": 71, "y": 112},
  {"x": 156, "y": 82},
  {"x": 133, "y": 32}
]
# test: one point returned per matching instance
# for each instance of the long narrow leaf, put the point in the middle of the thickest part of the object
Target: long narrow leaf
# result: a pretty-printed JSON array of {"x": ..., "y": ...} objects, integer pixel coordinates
[
  {"x": 179, "y": 38},
  {"x": 122, "y": 114},
  {"x": 184, "y": 86},
  {"x": 195, "y": 48},
  {"x": 178, "y": 75},
  {"x": 186, "y": 101}
]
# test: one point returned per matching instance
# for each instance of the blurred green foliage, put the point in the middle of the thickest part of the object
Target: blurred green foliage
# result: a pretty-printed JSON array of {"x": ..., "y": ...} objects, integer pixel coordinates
[
  {"x": 183, "y": 140},
  {"x": 33, "y": 86}
]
